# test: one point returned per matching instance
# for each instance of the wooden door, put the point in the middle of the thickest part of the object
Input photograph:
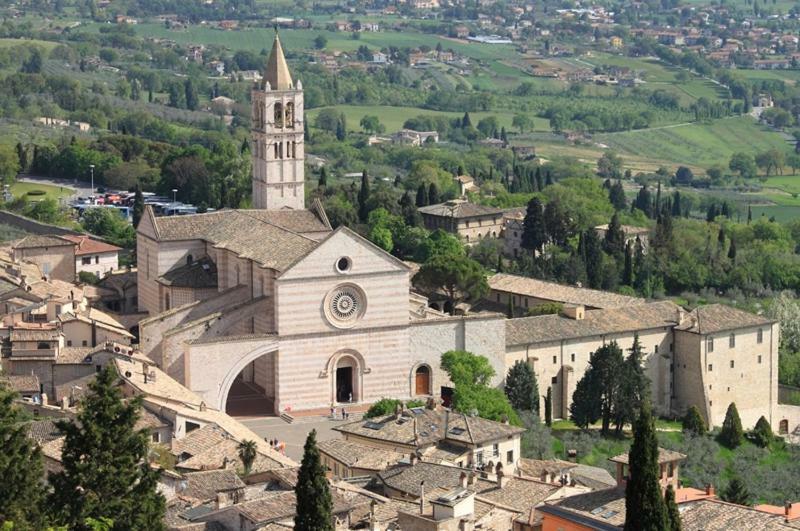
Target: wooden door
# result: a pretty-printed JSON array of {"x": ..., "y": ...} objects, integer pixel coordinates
[{"x": 423, "y": 380}]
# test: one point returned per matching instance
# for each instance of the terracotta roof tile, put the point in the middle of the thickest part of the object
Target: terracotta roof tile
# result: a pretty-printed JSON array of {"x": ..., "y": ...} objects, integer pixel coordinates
[
  {"x": 86, "y": 245},
  {"x": 34, "y": 241},
  {"x": 719, "y": 317},
  {"x": 460, "y": 209},
  {"x": 24, "y": 383},
  {"x": 205, "y": 485},
  {"x": 552, "y": 291},
  {"x": 356, "y": 455}
]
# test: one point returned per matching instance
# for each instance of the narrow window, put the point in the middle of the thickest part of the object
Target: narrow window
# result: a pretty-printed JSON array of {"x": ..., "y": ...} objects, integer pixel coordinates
[
  {"x": 495, "y": 450},
  {"x": 732, "y": 364},
  {"x": 710, "y": 367},
  {"x": 732, "y": 341},
  {"x": 572, "y": 357},
  {"x": 760, "y": 336},
  {"x": 510, "y": 457},
  {"x": 759, "y": 359},
  {"x": 656, "y": 349},
  {"x": 710, "y": 343},
  {"x": 555, "y": 359}
]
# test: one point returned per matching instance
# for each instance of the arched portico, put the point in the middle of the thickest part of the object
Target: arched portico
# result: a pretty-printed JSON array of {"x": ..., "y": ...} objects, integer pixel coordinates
[{"x": 243, "y": 362}]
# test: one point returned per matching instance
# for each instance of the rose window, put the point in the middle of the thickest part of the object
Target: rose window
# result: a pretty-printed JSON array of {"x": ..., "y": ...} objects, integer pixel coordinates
[{"x": 344, "y": 305}]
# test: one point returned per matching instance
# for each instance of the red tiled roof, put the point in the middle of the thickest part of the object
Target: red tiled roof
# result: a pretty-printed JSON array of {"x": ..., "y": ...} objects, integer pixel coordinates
[{"x": 86, "y": 245}]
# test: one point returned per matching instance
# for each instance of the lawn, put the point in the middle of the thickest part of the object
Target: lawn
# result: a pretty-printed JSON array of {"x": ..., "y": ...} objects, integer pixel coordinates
[
  {"x": 20, "y": 189},
  {"x": 393, "y": 117},
  {"x": 697, "y": 144}
]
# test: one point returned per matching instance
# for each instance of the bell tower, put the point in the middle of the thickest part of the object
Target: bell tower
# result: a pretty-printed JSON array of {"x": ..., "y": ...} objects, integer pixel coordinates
[{"x": 277, "y": 137}]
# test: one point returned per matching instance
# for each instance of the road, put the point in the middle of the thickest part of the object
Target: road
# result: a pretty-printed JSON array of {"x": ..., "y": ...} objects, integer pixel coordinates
[
  {"x": 294, "y": 435},
  {"x": 82, "y": 189}
]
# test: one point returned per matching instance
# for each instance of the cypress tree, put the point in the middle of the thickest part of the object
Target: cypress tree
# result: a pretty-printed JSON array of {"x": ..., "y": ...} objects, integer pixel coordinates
[
  {"x": 466, "y": 121},
  {"x": 341, "y": 128},
  {"x": 533, "y": 227},
  {"x": 673, "y": 515},
  {"x": 422, "y": 196},
  {"x": 548, "y": 179},
  {"x": 676, "y": 205},
  {"x": 616, "y": 195},
  {"x": 138, "y": 206},
  {"x": 521, "y": 387},
  {"x": 732, "y": 434},
  {"x": 105, "y": 470},
  {"x": 614, "y": 242},
  {"x": 749, "y": 214},
  {"x": 21, "y": 490},
  {"x": 594, "y": 258},
  {"x": 627, "y": 272},
  {"x": 634, "y": 386},
  {"x": 548, "y": 407},
  {"x": 323, "y": 177},
  {"x": 693, "y": 422},
  {"x": 645, "y": 509},
  {"x": 736, "y": 492},
  {"x": 732, "y": 251},
  {"x": 363, "y": 197},
  {"x": 433, "y": 194},
  {"x": 314, "y": 504}
]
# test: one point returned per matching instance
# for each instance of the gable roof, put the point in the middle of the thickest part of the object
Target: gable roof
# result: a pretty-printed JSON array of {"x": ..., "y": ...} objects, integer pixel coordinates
[
  {"x": 273, "y": 239},
  {"x": 206, "y": 484},
  {"x": 719, "y": 318},
  {"x": 86, "y": 245},
  {"x": 552, "y": 291},
  {"x": 544, "y": 328},
  {"x": 200, "y": 273},
  {"x": 356, "y": 455},
  {"x": 35, "y": 241}
]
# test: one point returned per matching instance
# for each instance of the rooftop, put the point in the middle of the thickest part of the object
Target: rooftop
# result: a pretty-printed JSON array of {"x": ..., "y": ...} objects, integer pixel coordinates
[
  {"x": 542, "y": 289},
  {"x": 87, "y": 245},
  {"x": 204, "y": 485},
  {"x": 717, "y": 515},
  {"x": 544, "y": 328},
  {"x": 36, "y": 241},
  {"x": 200, "y": 273},
  {"x": 664, "y": 456},
  {"x": 363, "y": 456},
  {"x": 277, "y": 71},
  {"x": 719, "y": 318},
  {"x": 23, "y": 383},
  {"x": 459, "y": 209}
]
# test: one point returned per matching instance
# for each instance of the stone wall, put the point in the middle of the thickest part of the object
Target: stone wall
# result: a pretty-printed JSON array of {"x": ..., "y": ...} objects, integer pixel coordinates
[{"x": 33, "y": 226}]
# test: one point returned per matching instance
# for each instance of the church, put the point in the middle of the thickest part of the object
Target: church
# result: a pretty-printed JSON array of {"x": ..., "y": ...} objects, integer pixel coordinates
[
  {"x": 270, "y": 302},
  {"x": 268, "y": 310}
]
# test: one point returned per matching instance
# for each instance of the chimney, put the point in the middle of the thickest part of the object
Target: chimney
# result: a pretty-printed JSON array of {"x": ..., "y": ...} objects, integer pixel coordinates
[
  {"x": 502, "y": 480},
  {"x": 463, "y": 480},
  {"x": 472, "y": 479},
  {"x": 681, "y": 315},
  {"x": 421, "y": 497},
  {"x": 222, "y": 501},
  {"x": 710, "y": 490},
  {"x": 574, "y": 311},
  {"x": 152, "y": 375},
  {"x": 413, "y": 459}
]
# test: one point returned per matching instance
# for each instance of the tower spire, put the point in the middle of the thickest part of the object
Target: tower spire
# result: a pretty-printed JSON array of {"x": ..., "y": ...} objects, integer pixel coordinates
[{"x": 277, "y": 71}]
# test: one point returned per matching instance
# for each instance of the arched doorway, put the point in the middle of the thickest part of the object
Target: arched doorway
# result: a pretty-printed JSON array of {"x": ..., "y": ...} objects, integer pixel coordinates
[
  {"x": 252, "y": 392},
  {"x": 345, "y": 380},
  {"x": 783, "y": 427},
  {"x": 422, "y": 380}
]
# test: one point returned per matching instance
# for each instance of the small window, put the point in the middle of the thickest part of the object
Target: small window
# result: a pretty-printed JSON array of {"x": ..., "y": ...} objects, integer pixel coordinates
[
  {"x": 732, "y": 364},
  {"x": 710, "y": 344},
  {"x": 191, "y": 426},
  {"x": 97, "y": 259},
  {"x": 510, "y": 457},
  {"x": 86, "y": 260},
  {"x": 479, "y": 458},
  {"x": 343, "y": 264},
  {"x": 759, "y": 359},
  {"x": 554, "y": 379},
  {"x": 69, "y": 343},
  {"x": 84, "y": 343},
  {"x": 555, "y": 359},
  {"x": 495, "y": 450},
  {"x": 656, "y": 349},
  {"x": 189, "y": 259},
  {"x": 43, "y": 345},
  {"x": 732, "y": 341},
  {"x": 670, "y": 470},
  {"x": 572, "y": 357},
  {"x": 760, "y": 336},
  {"x": 710, "y": 367}
]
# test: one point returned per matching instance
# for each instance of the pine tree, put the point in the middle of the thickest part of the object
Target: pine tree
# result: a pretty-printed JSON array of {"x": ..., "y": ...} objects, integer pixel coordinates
[
  {"x": 762, "y": 433},
  {"x": 433, "y": 194},
  {"x": 363, "y": 198},
  {"x": 731, "y": 434},
  {"x": 138, "y": 206},
  {"x": 736, "y": 492},
  {"x": 323, "y": 177},
  {"x": 548, "y": 407},
  {"x": 693, "y": 422},
  {"x": 105, "y": 469},
  {"x": 645, "y": 509},
  {"x": 247, "y": 453},
  {"x": 422, "y": 196},
  {"x": 673, "y": 515},
  {"x": 21, "y": 490},
  {"x": 533, "y": 228},
  {"x": 314, "y": 505},
  {"x": 521, "y": 387}
]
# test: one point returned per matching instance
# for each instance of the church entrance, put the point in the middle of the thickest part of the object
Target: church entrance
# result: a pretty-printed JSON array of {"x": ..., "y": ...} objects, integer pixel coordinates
[
  {"x": 344, "y": 384},
  {"x": 422, "y": 379}
]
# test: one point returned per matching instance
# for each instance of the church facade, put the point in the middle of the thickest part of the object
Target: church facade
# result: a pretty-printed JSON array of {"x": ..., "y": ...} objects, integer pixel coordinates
[{"x": 270, "y": 310}]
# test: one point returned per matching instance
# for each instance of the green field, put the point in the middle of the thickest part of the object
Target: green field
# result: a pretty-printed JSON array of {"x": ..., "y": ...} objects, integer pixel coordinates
[
  {"x": 47, "y": 45},
  {"x": 698, "y": 145},
  {"x": 20, "y": 189},
  {"x": 394, "y": 117}
]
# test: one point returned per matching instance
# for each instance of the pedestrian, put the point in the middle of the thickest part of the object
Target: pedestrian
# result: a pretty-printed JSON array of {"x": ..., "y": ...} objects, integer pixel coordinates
[
  {"x": 350, "y": 398},
  {"x": 344, "y": 413},
  {"x": 333, "y": 411}
]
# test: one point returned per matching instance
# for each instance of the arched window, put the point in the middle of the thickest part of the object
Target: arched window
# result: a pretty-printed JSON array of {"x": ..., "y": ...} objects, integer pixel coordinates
[
  {"x": 278, "y": 115},
  {"x": 290, "y": 114},
  {"x": 422, "y": 380}
]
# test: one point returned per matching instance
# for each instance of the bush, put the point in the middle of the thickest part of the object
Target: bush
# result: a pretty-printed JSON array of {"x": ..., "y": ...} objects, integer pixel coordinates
[
  {"x": 762, "y": 434},
  {"x": 87, "y": 277},
  {"x": 387, "y": 406},
  {"x": 36, "y": 192},
  {"x": 693, "y": 422}
]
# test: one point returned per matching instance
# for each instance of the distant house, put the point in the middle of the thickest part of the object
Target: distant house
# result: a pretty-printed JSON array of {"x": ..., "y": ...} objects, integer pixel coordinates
[
  {"x": 461, "y": 31},
  {"x": 380, "y": 58},
  {"x": 466, "y": 184},
  {"x": 54, "y": 255},
  {"x": 93, "y": 256},
  {"x": 471, "y": 221},
  {"x": 217, "y": 67},
  {"x": 414, "y": 138},
  {"x": 228, "y": 24},
  {"x": 631, "y": 233}
]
